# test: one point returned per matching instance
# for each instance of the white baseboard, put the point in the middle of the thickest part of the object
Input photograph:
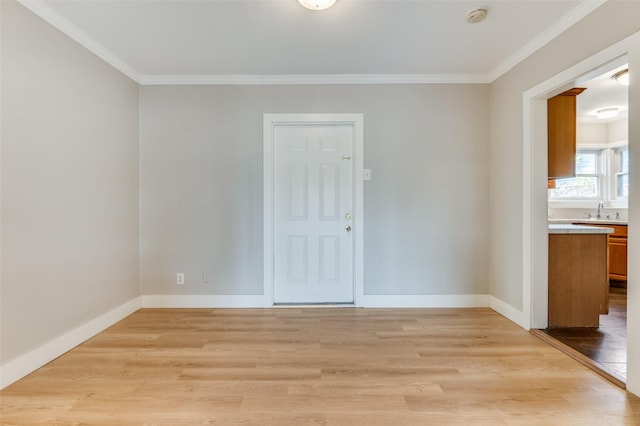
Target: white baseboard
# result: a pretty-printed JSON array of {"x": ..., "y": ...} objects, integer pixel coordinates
[
  {"x": 508, "y": 312},
  {"x": 202, "y": 301},
  {"x": 367, "y": 301},
  {"x": 18, "y": 368},
  {"x": 424, "y": 301}
]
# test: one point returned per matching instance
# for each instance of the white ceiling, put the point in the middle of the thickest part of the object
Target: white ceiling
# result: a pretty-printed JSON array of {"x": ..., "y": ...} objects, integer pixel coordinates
[
  {"x": 603, "y": 92},
  {"x": 355, "y": 41},
  {"x": 258, "y": 40}
]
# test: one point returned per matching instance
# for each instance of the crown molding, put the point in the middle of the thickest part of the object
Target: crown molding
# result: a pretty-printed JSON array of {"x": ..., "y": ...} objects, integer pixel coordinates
[
  {"x": 151, "y": 80},
  {"x": 566, "y": 22},
  {"x": 40, "y": 8},
  {"x": 58, "y": 21}
]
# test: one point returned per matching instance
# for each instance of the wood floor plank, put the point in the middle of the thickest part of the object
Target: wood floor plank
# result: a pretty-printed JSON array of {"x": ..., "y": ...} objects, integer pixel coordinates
[
  {"x": 605, "y": 347},
  {"x": 316, "y": 366}
]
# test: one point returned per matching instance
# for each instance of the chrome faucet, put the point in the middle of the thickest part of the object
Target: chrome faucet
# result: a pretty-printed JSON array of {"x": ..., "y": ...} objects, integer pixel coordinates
[{"x": 600, "y": 207}]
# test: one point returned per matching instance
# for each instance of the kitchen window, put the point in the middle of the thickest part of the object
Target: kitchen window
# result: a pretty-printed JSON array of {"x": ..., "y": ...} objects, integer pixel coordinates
[
  {"x": 622, "y": 173},
  {"x": 601, "y": 175},
  {"x": 586, "y": 184}
]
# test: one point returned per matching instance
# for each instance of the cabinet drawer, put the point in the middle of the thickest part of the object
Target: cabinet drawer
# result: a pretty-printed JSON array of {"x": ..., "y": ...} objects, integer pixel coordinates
[{"x": 620, "y": 230}]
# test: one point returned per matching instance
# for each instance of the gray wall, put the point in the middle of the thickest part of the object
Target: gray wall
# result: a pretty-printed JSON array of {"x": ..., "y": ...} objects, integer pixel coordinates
[
  {"x": 633, "y": 291},
  {"x": 69, "y": 184},
  {"x": 606, "y": 25},
  {"x": 426, "y": 209}
]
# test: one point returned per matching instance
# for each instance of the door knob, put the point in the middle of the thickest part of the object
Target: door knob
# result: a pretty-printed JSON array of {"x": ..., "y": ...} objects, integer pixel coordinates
[{"x": 347, "y": 228}]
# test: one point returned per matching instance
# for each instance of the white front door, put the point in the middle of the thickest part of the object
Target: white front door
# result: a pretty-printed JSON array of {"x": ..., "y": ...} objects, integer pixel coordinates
[{"x": 313, "y": 208}]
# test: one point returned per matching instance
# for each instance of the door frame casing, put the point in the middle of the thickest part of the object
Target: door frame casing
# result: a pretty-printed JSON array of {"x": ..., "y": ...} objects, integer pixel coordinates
[
  {"x": 270, "y": 121},
  {"x": 534, "y": 184}
]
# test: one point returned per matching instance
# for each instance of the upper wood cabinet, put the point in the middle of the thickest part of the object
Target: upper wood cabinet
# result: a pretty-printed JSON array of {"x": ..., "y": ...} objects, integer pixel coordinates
[{"x": 561, "y": 128}]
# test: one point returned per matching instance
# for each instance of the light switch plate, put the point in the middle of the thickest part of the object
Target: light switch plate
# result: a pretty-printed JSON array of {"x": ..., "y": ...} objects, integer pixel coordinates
[{"x": 367, "y": 174}]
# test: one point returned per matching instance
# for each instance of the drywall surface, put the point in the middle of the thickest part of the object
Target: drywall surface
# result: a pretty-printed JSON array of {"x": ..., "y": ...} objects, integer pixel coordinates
[
  {"x": 426, "y": 208},
  {"x": 633, "y": 285},
  {"x": 618, "y": 131},
  {"x": 589, "y": 36},
  {"x": 592, "y": 134},
  {"x": 69, "y": 184},
  {"x": 601, "y": 134}
]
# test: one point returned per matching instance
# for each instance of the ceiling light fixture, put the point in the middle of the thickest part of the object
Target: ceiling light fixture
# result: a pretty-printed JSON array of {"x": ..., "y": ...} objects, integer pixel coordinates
[
  {"x": 317, "y": 4},
  {"x": 607, "y": 112},
  {"x": 476, "y": 15},
  {"x": 622, "y": 77}
]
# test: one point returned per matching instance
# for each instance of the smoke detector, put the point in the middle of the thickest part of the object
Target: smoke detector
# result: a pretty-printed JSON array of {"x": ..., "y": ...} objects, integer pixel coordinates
[{"x": 476, "y": 15}]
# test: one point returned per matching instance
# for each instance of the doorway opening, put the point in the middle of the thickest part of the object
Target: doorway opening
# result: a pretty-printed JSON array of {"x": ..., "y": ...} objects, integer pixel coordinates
[
  {"x": 540, "y": 209},
  {"x": 596, "y": 197}
]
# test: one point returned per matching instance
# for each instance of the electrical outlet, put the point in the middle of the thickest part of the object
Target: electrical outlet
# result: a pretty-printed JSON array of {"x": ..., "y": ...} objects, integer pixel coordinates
[
  {"x": 180, "y": 278},
  {"x": 205, "y": 277}
]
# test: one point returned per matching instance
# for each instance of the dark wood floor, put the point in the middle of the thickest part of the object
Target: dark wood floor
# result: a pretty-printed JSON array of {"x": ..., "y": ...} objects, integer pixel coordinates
[{"x": 606, "y": 345}]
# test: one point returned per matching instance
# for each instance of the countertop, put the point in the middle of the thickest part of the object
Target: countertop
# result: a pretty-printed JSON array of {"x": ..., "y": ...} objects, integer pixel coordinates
[
  {"x": 603, "y": 221},
  {"x": 567, "y": 228}
]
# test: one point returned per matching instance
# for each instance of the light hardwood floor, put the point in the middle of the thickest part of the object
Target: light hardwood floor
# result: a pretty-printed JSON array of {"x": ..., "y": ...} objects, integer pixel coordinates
[{"x": 316, "y": 366}]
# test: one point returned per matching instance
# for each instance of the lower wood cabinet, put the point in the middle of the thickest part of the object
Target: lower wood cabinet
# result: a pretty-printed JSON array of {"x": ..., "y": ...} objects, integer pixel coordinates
[
  {"x": 617, "y": 250},
  {"x": 618, "y": 257},
  {"x": 578, "y": 282}
]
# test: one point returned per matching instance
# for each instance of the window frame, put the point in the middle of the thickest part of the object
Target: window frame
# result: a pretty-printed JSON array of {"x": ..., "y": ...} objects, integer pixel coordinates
[
  {"x": 599, "y": 175},
  {"x": 608, "y": 168},
  {"x": 618, "y": 172}
]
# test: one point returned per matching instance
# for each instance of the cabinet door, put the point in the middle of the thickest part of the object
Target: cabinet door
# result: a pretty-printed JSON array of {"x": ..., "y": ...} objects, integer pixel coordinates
[
  {"x": 578, "y": 282},
  {"x": 561, "y": 132},
  {"x": 617, "y": 258}
]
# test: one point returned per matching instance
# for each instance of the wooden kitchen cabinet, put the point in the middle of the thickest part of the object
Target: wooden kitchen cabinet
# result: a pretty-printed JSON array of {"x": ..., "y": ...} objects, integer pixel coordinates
[
  {"x": 618, "y": 259},
  {"x": 578, "y": 284},
  {"x": 617, "y": 250},
  {"x": 561, "y": 134}
]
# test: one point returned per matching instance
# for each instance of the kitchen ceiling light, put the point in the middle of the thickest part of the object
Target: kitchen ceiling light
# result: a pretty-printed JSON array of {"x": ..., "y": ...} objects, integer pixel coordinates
[
  {"x": 476, "y": 15},
  {"x": 317, "y": 4},
  {"x": 622, "y": 77},
  {"x": 607, "y": 113}
]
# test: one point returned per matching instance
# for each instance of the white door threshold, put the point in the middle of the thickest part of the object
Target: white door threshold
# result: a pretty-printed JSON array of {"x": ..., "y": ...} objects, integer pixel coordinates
[{"x": 314, "y": 305}]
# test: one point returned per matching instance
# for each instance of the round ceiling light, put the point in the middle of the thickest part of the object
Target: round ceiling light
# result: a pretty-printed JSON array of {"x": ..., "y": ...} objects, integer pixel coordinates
[
  {"x": 317, "y": 4},
  {"x": 622, "y": 77},
  {"x": 476, "y": 15},
  {"x": 607, "y": 113}
]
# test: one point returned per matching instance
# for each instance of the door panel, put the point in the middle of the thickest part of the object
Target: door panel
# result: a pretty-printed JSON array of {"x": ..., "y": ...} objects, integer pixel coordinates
[
  {"x": 329, "y": 259},
  {"x": 313, "y": 196},
  {"x": 297, "y": 186}
]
